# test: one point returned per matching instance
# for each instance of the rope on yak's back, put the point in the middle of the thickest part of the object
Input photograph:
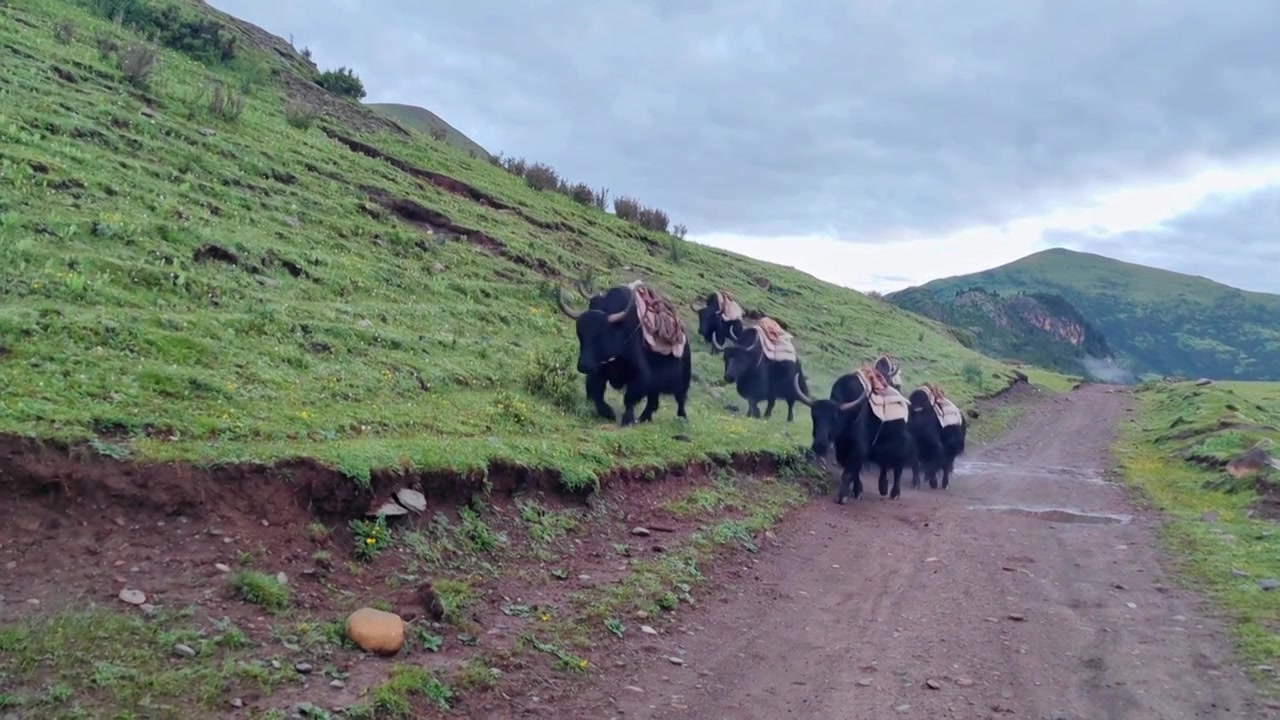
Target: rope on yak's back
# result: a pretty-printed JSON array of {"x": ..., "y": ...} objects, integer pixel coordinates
[
  {"x": 776, "y": 343},
  {"x": 886, "y": 403},
  {"x": 948, "y": 412},
  {"x": 662, "y": 328},
  {"x": 730, "y": 308}
]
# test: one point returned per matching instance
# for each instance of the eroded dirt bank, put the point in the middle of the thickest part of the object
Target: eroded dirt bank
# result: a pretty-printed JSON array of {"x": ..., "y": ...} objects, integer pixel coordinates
[{"x": 936, "y": 607}]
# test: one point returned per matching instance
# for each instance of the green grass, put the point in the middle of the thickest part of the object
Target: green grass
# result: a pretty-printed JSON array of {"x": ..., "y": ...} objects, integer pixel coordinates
[
  {"x": 262, "y": 589},
  {"x": 81, "y": 664},
  {"x": 425, "y": 122},
  {"x": 344, "y": 334},
  {"x": 1160, "y": 322},
  {"x": 1229, "y": 555}
]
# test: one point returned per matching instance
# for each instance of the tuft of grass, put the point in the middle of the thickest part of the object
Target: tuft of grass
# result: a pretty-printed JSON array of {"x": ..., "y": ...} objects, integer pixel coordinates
[
  {"x": 260, "y": 588},
  {"x": 396, "y": 697},
  {"x": 370, "y": 537},
  {"x": 137, "y": 62},
  {"x": 225, "y": 104},
  {"x": 1226, "y": 557}
]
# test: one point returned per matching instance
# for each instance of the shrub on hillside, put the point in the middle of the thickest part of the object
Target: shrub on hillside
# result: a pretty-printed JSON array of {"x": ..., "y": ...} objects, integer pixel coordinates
[
  {"x": 582, "y": 194},
  {"x": 342, "y": 81},
  {"x": 300, "y": 114},
  {"x": 627, "y": 208},
  {"x": 136, "y": 64},
  {"x": 199, "y": 37},
  {"x": 438, "y": 134},
  {"x": 680, "y": 231},
  {"x": 601, "y": 199},
  {"x": 65, "y": 32},
  {"x": 653, "y": 219},
  {"x": 225, "y": 104},
  {"x": 541, "y": 176}
]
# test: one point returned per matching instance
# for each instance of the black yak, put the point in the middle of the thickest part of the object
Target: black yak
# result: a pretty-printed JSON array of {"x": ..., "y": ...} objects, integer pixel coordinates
[
  {"x": 630, "y": 338},
  {"x": 762, "y": 365},
  {"x": 938, "y": 430},
  {"x": 719, "y": 319},
  {"x": 867, "y": 424}
]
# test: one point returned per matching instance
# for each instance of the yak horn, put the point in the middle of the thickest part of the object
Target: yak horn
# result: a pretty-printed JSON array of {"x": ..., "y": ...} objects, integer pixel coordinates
[
  {"x": 854, "y": 403},
  {"x": 575, "y": 314},
  {"x": 622, "y": 314},
  {"x": 754, "y": 343},
  {"x": 800, "y": 393},
  {"x": 719, "y": 345},
  {"x": 733, "y": 334}
]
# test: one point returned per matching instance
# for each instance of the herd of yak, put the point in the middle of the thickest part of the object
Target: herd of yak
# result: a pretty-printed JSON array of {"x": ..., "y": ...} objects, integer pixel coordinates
[{"x": 631, "y": 338}]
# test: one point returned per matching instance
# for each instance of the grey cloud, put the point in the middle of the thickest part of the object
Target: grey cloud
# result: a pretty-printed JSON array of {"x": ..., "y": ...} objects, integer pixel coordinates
[
  {"x": 866, "y": 118},
  {"x": 1234, "y": 243}
]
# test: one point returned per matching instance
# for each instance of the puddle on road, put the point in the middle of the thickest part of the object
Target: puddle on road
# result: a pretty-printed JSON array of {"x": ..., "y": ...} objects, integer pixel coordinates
[
  {"x": 1058, "y": 515},
  {"x": 979, "y": 467}
]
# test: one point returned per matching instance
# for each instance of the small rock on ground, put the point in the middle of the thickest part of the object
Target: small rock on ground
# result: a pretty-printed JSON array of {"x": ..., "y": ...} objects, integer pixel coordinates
[
  {"x": 133, "y": 597},
  {"x": 675, "y": 660},
  {"x": 641, "y": 531},
  {"x": 185, "y": 651},
  {"x": 1269, "y": 583}
]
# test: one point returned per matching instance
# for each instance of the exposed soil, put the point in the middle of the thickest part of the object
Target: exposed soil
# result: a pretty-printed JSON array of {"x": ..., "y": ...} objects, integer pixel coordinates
[{"x": 936, "y": 606}]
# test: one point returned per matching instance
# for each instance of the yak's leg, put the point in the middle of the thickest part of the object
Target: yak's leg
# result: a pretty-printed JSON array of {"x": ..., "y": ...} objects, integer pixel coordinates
[
  {"x": 630, "y": 400},
  {"x": 897, "y": 482},
  {"x": 946, "y": 472},
  {"x": 650, "y": 407},
  {"x": 595, "y": 393},
  {"x": 933, "y": 476},
  {"x": 915, "y": 473},
  {"x": 768, "y": 409},
  {"x": 884, "y": 481},
  {"x": 682, "y": 397},
  {"x": 791, "y": 411},
  {"x": 848, "y": 477},
  {"x": 753, "y": 408}
]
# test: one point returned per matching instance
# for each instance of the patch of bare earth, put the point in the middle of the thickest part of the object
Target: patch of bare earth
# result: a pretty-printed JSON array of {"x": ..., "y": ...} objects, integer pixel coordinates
[{"x": 1031, "y": 588}]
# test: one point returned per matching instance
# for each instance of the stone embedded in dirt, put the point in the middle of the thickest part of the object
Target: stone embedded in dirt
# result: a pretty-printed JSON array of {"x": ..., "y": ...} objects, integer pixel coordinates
[
  {"x": 1239, "y": 573},
  {"x": 282, "y": 578},
  {"x": 391, "y": 508},
  {"x": 303, "y": 668},
  {"x": 902, "y": 708},
  {"x": 634, "y": 689},
  {"x": 1017, "y": 617},
  {"x": 648, "y": 630},
  {"x": 676, "y": 660},
  {"x": 964, "y": 682},
  {"x": 1269, "y": 583},
  {"x": 133, "y": 597},
  {"x": 1131, "y": 605},
  {"x": 1251, "y": 462},
  {"x": 185, "y": 651},
  {"x": 207, "y": 132},
  {"x": 337, "y": 684},
  {"x": 237, "y": 703},
  {"x": 1209, "y": 516},
  {"x": 865, "y": 682},
  {"x": 411, "y": 499},
  {"x": 437, "y": 267},
  {"x": 641, "y": 531},
  {"x": 376, "y": 631},
  {"x": 10, "y": 565},
  {"x": 933, "y": 684}
]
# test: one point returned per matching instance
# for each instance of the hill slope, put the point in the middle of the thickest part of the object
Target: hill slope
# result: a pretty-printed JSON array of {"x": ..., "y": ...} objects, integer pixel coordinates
[
  {"x": 1158, "y": 321},
  {"x": 425, "y": 121},
  {"x": 1037, "y": 328},
  {"x": 183, "y": 278}
]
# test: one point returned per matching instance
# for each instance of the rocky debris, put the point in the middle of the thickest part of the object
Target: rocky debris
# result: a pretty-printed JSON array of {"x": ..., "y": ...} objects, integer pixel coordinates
[
  {"x": 1017, "y": 617},
  {"x": 1239, "y": 573},
  {"x": 1251, "y": 462},
  {"x": 411, "y": 499},
  {"x": 237, "y": 703},
  {"x": 1269, "y": 583},
  {"x": 1204, "y": 381},
  {"x": 133, "y": 597},
  {"x": 375, "y": 631},
  {"x": 933, "y": 684},
  {"x": 185, "y": 651},
  {"x": 648, "y": 630},
  {"x": 865, "y": 682},
  {"x": 964, "y": 682},
  {"x": 641, "y": 531},
  {"x": 302, "y": 668},
  {"x": 390, "y": 508},
  {"x": 676, "y": 660},
  {"x": 282, "y": 578},
  {"x": 1209, "y": 516},
  {"x": 222, "y": 567}
]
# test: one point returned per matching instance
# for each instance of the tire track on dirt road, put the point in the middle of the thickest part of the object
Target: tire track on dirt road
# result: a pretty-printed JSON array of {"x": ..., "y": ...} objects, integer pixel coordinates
[{"x": 933, "y": 607}]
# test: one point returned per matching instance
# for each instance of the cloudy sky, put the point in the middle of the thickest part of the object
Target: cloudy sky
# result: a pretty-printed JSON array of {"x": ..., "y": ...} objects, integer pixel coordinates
[{"x": 873, "y": 143}]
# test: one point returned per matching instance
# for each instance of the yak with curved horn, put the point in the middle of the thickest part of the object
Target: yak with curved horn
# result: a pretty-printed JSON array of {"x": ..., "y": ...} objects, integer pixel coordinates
[
  {"x": 866, "y": 421},
  {"x": 762, "y": 365},
  {"x": 630, "y": 338},
  {"x": 938, "y": 430},
  {"x": 719, "y": 319}
]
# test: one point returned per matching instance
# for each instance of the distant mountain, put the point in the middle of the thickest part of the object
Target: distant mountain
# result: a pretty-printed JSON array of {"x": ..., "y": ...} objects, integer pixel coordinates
[
  {"x": 1155, "y": 321},
  {"x": 424, "y": 121},
  {"x": 1038, "y": 328}
]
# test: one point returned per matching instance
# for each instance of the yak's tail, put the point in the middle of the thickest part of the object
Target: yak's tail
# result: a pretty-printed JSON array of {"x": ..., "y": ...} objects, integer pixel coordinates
[{"x": 804, "y": 383}]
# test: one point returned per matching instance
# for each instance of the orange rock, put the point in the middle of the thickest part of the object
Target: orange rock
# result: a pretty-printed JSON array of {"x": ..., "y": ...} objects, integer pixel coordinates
[{"x": 375, "y": 631}]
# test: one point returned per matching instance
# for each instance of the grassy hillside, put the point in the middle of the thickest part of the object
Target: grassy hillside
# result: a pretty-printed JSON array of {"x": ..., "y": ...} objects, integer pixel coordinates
[
  {"x": 200, "y": 260},
  {"x": 1159, "y": 321},
  {"x": 1038, "y": 328},
  {"x": 1222, "y": 526},
  {"x": 427, "y": 123}
]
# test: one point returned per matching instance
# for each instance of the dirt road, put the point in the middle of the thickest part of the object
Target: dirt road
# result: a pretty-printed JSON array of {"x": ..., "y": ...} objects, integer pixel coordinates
[{"x": 930, "y": 607}]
